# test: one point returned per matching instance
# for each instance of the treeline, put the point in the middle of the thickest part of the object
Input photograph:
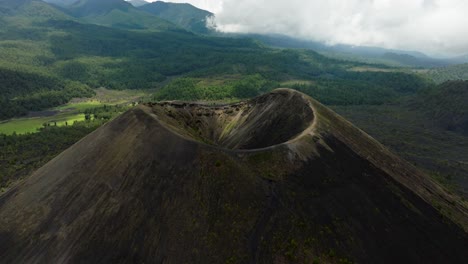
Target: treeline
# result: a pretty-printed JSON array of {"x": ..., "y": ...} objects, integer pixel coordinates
[
  {"x": 106, "y": 112},
  {"x": 15, "y": 83},
  {"x": 195, "y": 89},
  {"x": 343, "y": 88},
  {"x": 346, "y": 92},
  {"x": 400, "y": 82},
  {"x": 22, "y": 92},
  {"x": 360, "y": 88}
]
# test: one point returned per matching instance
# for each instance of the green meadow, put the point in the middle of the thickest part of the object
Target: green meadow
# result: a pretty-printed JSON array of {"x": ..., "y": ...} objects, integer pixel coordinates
[{"x": 32, "y": 124}]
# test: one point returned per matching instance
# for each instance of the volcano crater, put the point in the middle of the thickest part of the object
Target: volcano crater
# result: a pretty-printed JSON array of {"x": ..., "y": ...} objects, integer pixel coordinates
[{"x": 262, "y": 122}]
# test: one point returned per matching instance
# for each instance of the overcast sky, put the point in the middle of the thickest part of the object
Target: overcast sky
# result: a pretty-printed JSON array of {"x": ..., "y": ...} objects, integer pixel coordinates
[{"x": 437, "y": 27}]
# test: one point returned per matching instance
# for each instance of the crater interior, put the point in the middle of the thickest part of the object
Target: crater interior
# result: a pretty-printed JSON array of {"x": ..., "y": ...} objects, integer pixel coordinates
[{"x": 264, "y": 121}]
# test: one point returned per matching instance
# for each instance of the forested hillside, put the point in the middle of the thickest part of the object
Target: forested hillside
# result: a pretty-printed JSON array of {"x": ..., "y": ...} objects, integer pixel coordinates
[
  {"x": 83, "y": 55},
  {"x": 185, "y": 15},
  {"x": 117, "y": 14},
  {"x": 341, "y": 88},
  {"x": 446, "y": 105},
  {"x": 454, "y": 72},
  {"x": 22, "y": 92}
]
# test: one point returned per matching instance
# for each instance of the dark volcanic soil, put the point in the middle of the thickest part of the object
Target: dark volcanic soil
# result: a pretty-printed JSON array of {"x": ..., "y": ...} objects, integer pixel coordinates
[{"x": 277, "y": 179}]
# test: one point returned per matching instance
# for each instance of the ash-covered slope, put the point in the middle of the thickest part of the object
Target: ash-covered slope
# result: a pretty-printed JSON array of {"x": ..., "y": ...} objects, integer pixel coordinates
[{"x": 277, "y": 179}]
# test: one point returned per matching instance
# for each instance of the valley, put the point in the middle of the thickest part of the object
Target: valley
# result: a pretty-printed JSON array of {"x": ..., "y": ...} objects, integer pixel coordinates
[
  {"x": 67, "y": 114},
  {"x": 116, "y": 112}
]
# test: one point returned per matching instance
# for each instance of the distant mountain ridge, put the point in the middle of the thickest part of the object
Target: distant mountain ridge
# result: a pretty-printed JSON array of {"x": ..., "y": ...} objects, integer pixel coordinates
[
  {"x": 12, "y": 4},
  {"x": 116, "y": 13},
  {"x": 185, "y": 15},
  {"x": 61, "y": 2},
  {"x": 24, "y": 12},
  {"x": 137, "y": 3},
  {"x": 83, "y": 8},
  {"x": 125, "y": 15},
  {"x": 421, "y": 61},
  {"x": 374, "y": 55}
]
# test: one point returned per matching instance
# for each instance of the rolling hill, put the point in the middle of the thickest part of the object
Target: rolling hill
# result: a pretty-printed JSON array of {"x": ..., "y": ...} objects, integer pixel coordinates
[
  {"x": 61, "y": 2},
  {"x": 373, "y": 55},
  {"x": 275, "y": 179},
  {"x": 137, "y": 3},
  {"x": 185, "y": 15},
  {"x": 25, "y": 13},
  {"x": 13, "y": 3},
  {"x": 118, "y": 14}
]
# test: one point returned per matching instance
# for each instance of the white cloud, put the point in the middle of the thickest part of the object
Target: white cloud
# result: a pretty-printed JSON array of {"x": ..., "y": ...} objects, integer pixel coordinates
[{"x": 432, "y": 26}]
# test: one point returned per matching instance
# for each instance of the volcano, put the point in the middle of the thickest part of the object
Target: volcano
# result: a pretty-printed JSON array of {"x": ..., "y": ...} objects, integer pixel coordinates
[{"x": 276, "y": 179}]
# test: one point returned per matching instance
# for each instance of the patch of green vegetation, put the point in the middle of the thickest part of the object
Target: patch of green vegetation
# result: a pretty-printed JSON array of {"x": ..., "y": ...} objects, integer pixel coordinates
[
  {"x": 105, "y": 112},
  {"x": 23, "y": 92},
  {"x": 346, "y": 92},
  {"x": 363, "y": 88},
  {"x": 290, "y": 83},
  {"x": 197, "y": 89},
  {"x": 79, "y": 106},
  {"x": 228, "y": 128},
  {"x": 346, "y": 88},
  {"x": 291, "y": 250},
  {"x": 33, "y": 124},
  {"x": 454, "y": 72}
]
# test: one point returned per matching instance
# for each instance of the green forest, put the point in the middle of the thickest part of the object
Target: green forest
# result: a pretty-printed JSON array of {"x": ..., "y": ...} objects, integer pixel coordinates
[{"x": 23, "y": 92}]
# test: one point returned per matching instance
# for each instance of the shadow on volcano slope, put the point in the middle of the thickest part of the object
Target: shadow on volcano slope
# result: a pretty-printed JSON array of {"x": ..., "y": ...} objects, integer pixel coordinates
[{"x": 276, "y": 179}]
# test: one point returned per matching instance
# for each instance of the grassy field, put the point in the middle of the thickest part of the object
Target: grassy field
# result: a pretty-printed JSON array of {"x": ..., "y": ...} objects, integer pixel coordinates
[
  {"x": 114, "y": 97},
  {"x": 71, "y": 112},
  {"x": 78, "y": 106},
  {"x": 370, "y": 69},
  {"x": 32, "y": 124},
  {"x": 291, "y": 83}
]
